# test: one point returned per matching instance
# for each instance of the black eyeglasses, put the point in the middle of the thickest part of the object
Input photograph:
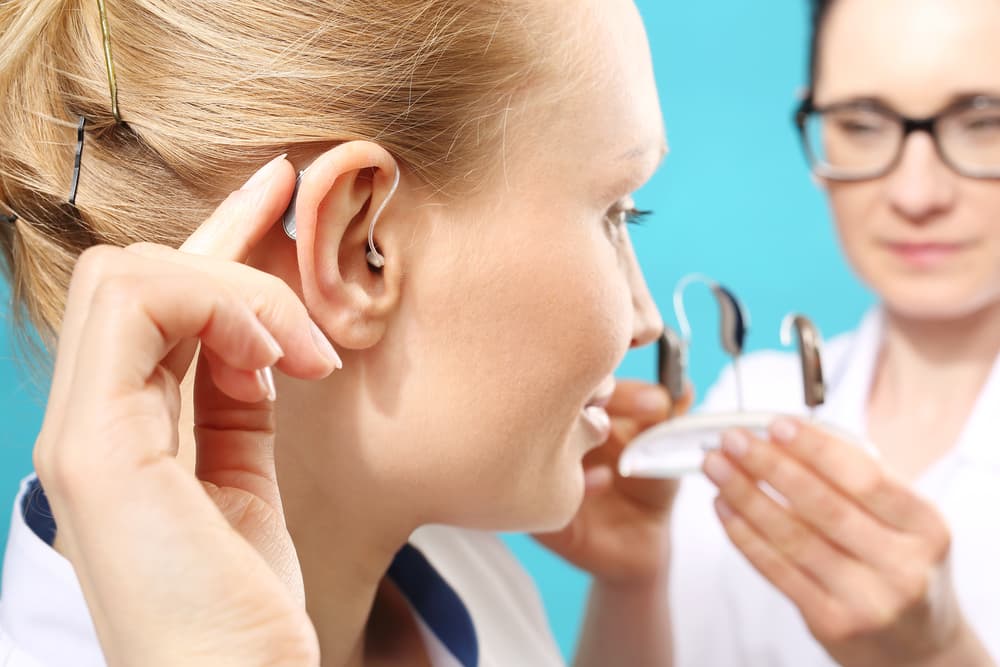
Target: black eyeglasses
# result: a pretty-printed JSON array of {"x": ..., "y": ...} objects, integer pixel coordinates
[{"x": 864, "y": 139}]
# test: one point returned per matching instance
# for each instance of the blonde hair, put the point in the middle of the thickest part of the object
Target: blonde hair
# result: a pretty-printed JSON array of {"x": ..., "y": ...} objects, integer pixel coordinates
[{"x": 208, "y": 89}]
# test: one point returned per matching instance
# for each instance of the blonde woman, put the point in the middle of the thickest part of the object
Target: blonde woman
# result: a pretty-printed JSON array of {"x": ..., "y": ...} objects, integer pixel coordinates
[{"x": 477, "y": 347}]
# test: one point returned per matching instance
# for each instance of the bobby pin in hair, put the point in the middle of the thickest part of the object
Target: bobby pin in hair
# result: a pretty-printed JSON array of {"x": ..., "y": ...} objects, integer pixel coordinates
[
  {"x": 109, "y": 61},
  {"x": 76, "y": 160}
]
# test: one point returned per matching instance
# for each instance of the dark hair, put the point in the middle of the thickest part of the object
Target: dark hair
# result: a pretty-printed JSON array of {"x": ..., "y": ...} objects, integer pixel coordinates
[{"x": 820, "y": 10}]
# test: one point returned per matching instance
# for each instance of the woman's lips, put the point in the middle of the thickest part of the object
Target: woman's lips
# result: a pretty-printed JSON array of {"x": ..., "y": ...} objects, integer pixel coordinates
[
  {"x": 925, "y": 254},
  {"x": 594, "y": 414},
  {"x": 598, "y": 423}
]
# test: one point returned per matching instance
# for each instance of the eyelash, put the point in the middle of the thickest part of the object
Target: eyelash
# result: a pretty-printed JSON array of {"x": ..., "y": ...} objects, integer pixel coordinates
[
  {"x": 635, "y": 216},
  {"x": 631, "y": 216}
]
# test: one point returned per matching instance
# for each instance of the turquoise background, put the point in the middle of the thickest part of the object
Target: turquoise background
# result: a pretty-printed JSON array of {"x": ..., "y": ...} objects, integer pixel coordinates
[{"x": 733, "y": 200}]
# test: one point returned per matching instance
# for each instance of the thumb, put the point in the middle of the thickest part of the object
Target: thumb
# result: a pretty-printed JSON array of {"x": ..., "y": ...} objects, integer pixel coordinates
[{"x": 642, "y": 402}]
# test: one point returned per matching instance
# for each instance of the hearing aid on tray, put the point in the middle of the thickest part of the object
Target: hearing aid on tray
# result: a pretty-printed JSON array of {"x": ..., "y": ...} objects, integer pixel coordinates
[{"x": 678, "y": 447}]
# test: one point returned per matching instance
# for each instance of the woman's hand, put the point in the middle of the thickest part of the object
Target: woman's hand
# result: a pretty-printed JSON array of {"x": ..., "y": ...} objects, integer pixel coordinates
[
  {"x": 861, "y": 555},
  {"x": 178, "y": 569},
  {"x": 621, "y": 531}
]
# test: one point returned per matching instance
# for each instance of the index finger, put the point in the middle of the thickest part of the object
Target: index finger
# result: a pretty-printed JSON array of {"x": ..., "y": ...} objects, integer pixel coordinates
[
  {"x": 246, "y": 215},
  {"x": 647, "y": 403},
  {"x": 857, "y": 474}
]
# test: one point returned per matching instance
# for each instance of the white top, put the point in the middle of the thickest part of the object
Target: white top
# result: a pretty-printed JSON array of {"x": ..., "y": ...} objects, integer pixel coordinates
[
  {"x": 725, "y": 613},
  {"x": 44, "y": 619}
]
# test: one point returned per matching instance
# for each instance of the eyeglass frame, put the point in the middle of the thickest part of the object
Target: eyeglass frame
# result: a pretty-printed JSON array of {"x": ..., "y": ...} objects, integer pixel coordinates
[{"x": 910, "y": 125}]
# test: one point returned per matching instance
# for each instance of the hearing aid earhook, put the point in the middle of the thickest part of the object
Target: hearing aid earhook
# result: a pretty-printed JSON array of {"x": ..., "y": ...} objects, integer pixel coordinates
[
  {"x": 374, "y": 257},
  {"x": 734, "y": 322},
  {"x": 810, "y": 343}
]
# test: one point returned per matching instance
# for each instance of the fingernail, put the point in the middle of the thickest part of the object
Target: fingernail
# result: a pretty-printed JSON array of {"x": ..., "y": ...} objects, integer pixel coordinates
[
  {"x": 723, "y": 509},
  {"x": 717, "y": 469},
  {"x": 266, "y": 379},
  {"x": 272, "y": 344},
  {"x": 784, "y": 430},
  {"x": 735, "y": 443},
  {"x": 324, "y": 347},
  {"x": 264, "y": 173},
  {"x": 652, "y": 400}
]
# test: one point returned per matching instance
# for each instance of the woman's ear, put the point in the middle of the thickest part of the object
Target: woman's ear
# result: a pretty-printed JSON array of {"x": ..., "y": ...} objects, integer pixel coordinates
[{"x": 349, "y": 296}]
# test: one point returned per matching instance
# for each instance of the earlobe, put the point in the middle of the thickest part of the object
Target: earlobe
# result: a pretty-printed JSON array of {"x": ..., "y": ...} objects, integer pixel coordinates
[{"x": 342, "y": 200}]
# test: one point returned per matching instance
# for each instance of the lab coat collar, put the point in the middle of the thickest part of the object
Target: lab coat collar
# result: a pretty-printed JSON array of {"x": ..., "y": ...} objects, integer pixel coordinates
[
  {"x": 44, "y": 614},
  {"x": 850, "y": 379},
  {"x": 979, "y": 441},
  {"x": 42, "y": 600}
]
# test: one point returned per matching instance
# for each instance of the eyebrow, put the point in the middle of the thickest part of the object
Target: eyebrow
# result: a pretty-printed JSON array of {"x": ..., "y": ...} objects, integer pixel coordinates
[{"x": 956, "y": 99}]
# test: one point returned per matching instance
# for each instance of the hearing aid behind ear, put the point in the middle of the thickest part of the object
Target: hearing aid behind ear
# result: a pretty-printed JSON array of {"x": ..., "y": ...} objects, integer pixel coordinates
[
  {"x": 810, "y": 342},
  {"x": 734, "y": 322},
  {"x": 374, "y": 257},
  {"x": 288, "y": 218},
  {"x": 671, "y": 363}
]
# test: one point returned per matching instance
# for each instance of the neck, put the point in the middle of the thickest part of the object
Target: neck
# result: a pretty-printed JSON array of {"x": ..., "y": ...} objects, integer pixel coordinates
[
  {"x": 345, "y": 533},
  {"x": 930, "y": 366},
  {"x": 346, "y": 528}
]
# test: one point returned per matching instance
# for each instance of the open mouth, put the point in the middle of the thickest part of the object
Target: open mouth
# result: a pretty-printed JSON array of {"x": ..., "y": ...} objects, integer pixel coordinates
[{"x": 595, "y": 414}]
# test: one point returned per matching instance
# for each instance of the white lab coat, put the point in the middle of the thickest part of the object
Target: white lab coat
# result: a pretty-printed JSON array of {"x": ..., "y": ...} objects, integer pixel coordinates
[
  {"x": 44, "y": 620},
  {"x": 727, "y": 615}
]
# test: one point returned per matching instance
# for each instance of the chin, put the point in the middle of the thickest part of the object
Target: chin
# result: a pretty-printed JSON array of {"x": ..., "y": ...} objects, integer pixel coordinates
[
  {"x": 550, "y": 505},
  {"x": 929, "y": 302}
]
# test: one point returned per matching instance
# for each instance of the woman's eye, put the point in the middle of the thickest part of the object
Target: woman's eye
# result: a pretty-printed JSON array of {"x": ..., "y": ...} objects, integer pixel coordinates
[
  {"x": 635, "y": 216},
  {"x": 623, "y": 214}
]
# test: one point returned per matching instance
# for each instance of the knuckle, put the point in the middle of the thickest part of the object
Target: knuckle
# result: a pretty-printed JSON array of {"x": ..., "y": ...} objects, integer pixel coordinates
[
  {"x": 798, "y": 543},
  {"x": 913, "y": 589},
  {"x": 145, "y": 248},
  {"x": 834, "y": 511},
  {"x": 95, "y": 260},
  {"x": 938, "y": 539},
  {"x": 834, "y": 628},
  {"x": 868, "y": 485},
  {"x": 116, "y": 293}
]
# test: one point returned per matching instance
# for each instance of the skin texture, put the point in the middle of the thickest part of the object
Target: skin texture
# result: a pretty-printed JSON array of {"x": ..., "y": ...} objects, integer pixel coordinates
[
  {"x": 469, "y": 358},
  {"x": 467, "y": 362},
  {"x": 863, "y": 557}
]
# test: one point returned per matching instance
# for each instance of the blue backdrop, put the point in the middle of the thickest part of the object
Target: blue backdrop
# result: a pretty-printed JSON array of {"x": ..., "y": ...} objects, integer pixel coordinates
[{"x": 733, "y": 200}]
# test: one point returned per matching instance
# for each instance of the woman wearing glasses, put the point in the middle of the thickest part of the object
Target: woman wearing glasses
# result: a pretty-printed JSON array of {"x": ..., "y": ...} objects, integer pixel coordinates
[{"x": 890, "y": 562}]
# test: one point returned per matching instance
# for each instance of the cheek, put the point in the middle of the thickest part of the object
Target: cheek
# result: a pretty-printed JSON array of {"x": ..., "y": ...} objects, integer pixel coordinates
[
  {"x": 852, "y": 207},
  {"x": 541, "y": 314},
  {"x": 510, "y": 338},
  {"x": 970, "y": 282}
]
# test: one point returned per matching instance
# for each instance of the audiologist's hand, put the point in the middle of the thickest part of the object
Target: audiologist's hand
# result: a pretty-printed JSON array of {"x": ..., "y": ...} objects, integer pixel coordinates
[
  {"x": 863, "y": 557},
  {"x": 180, "y": 569}
]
